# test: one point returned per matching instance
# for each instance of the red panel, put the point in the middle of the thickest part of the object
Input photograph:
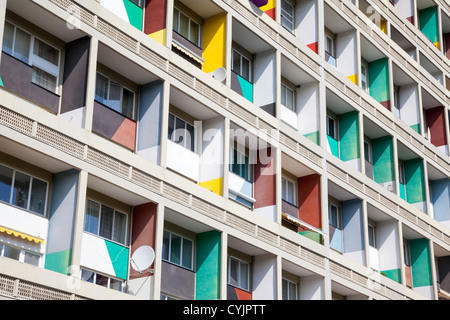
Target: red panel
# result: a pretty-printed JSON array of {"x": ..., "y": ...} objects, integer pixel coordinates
[
  {"x": 243, "y": 295},
  {"x": 436, "y": 125},
  {"x": 271, "y": 13},
  {"x": 143, "y": 231},
  {"x": 126, "y": 134},
  {"x": 408, "y": 276},
  {"x": 386, "y": 104},
  {"x": 309, "y": 200},
  {"x": 155, "y": 16},
  {"x": 314, "y": 46},
  {"x": 410, "y": 19},
  {"x": 264, "y": 183}
]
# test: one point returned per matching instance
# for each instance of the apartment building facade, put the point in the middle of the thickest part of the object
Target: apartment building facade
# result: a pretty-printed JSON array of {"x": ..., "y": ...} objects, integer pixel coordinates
[{"x": 264, "y": 149}]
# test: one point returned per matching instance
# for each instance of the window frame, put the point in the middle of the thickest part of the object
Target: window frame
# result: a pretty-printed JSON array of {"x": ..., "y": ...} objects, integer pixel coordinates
[
  {"x": 371, "y": 235},
  {"x": 186, "y": 123},
  {"x": 285, "y": 183},
  {"x": 287, "y": 16},
  {"x": 406, "y": 253},
  {"x": 335, "y": 129},
  {"x": 338, "y": 224},
  {"x": 365, "y": 77},
  {"x": 94, "y": 280},
  {"x": 169, "y": 250},
  {"x": 125, "y": 244},
  {"x": 248, "y": 167},
  {"x": 190, "y": 20},
  {"x": 241, "y": 57},
  {"x": 30, "y": 188},
  {"x": 35, "y": 61},
  {"x": 284, "y": 90},
  {"x": 369, "y": 157},
  {"x": 123, "y": 87},
  {"x": 22, "y": 253},
  {"x": 288, "y": 283},
  {"x": 239, "y": 280}
]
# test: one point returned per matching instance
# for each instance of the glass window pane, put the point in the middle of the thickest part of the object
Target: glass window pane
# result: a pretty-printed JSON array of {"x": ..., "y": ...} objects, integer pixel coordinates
[
  {"x": 190, "y": 137},
  {"x": 5, "y": 183},
  {"x": 46, "y": 52},
  {"x": 106, "y": 222},
  {"x": 21, "y": 190},
  {"x": 171, "y": 126},
  {"x": 292, "y": 291},
  {"x": 12, "y": 253},
  {"x": 244, "y": 275},
  {"x": 236, "y": 62},
  {"x": 194, "y": 35},
  {"x": 290, "y": 99},
  {"x": 115, "y": 284},
  {"x": 101, "y": 280},
  {"x": 180, "y": 132},
  {"x": 44, "y": 79},
  {"x": 245, "y": 68},
  {"x": 187, "y": 253},
  {"x": 32, "y": 258},
  {"x": 175, "y": 249},
  {"x": 283, "y": 189},
  {"x": 87, "y": 276},
  {"x": 92, "y": 216},
  {"x": 115, "y": 92},
  {"x": 234, "y": 274},
  {"x": 8, "y": 38},
  {"x": 22, "y": 45},
  {"x": 101, "y": 89},
  {"x": 284, "y": 289},
  {"x": 184, "y": 26},
  {"x": 175, "y": 19},
  {"x": 166, "y": 245},
  {"x": 38, "y": 196},
  {"x": 290, "y": 194},
  {"x": 283, "y": 94},
  {"x": 120, "y": 224},
  {"x": 128, "y": 104}
]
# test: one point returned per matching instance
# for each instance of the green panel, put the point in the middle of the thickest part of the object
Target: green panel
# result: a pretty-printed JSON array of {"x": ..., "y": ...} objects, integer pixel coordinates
[
  {"x": 394, "y": 274},
  {"x": 416, "y": 127},
  {"x": 414, "y": 179},
  {"x": 379, "y": 80},
  {"x": 59, "y": 261},
  {"x": 314, "y": 137},
  {"x": 119, "y": 258},
  {"x": 134, "y": 13},
  {"x": 349, "y": 136},
  {"x": 420, "y": 262},
  {"x": 317, "y": 237},
  {"x": 207, "y": 277},
  {"x": 383, "y": 159},
  {"x": 334, "y": 146},
  {"x": 247, "y": 88},
  {"x": 428, "y": 23},
  {"x": 1, "y": 82},
  {"x": 402, "y": 191}
]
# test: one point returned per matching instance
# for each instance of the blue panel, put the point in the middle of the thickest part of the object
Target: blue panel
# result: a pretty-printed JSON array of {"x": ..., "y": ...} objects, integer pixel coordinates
[
  {"x": 352, "y": 225},
  {"x": 336, "y": 240},
  {"x": 440, "y": 196}
]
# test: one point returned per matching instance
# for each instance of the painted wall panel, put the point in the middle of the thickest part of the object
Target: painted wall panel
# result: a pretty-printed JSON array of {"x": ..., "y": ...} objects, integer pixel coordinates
[
  {"x": 61, "y": 221},
  {"x": 309, "y": 200},
  {"x": 333, "y": 146},
  {"x": 415, "y": 183},
  {"x": 307, "y": 102},
  {"x": 234, "y": 293},
  {"x": 264, "y": 85},
  {"x": 307, "y": 24},
  {"x": 183, "y": 160},
  {"x": 269, "y": 8},
  {"x": 312, "y": 288},
  {"x": 207, "y": 278},
  {"x": 176, "y": 281},
  {"x": 242, "y": 86},
  {"x": 265, "y": 184},
  {"x": 379, "y": 81},
  {"x": 406, "y": 8},
  {"x": 126, "y": 10},
  {"x": 429, "y": 25},
  {"x": 264, "y": 279},
  {"x": 75, "y": 80},
  {"x": 383, "y": 161},
  {"x": 335, "y": 238},
  {"x": 155, "y": 20},
  {"x": 435, "y": 120},
  {"x": 440, "y": 198},
  {"x": 421, "y": 264},
  {"x": 352, "y": 228},
  {"x": 409, "y": 106},
  {"x": 349, "y": 138},
  {"x": 214, "y": 42},
  {"x": 149, "y": 120},
  {"x": 388, "y": 244},
  {"x": 346, "y": 55},
  {"x": 444, "y": 272}
]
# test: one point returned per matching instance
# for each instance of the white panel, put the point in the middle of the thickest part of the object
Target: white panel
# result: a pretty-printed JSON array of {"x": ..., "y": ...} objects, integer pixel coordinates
[
  {"x": 289, "y": 116},
  {"x": 75, "y": 116},
  {"x": 311, "y": 288},
  {"x": 212, "y": 149},
  {"x": 117, "y": 7},
  {"x": 346, "y": 53},
  {"x": 306, "y": 21},
  {"x": 240, "y": 187},
  {"x": 94, "y": 254},
  {"x": 388, "y": 245},
  {"x": 23, "y": 221},
  {"x": 308, "y": 108},
  {"x": 373, "y": 256},
  {"x": 264, "y": 278},
  {"x": 264, "y": 81},
  {"x": 183, "y": 160},
  {"x": 426, "y": 291},
  {"x": 269, "y": 212}
]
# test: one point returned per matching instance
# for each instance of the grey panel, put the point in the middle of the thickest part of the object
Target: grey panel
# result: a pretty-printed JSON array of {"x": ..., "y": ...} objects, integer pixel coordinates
[{"x": 177, "y": 281}]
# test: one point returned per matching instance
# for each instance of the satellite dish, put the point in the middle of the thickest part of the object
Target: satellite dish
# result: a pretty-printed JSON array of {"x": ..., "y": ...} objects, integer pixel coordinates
[
  {"x": 219, "y": 74},
  {"x": 143, "y": 258}
]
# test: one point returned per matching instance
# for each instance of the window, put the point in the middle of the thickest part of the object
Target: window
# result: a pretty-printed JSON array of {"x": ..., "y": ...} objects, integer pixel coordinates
[
  {"x": 44, "y": 58},
  {"x": 185, "y": 26},
  {"x": 406, "y": 253},
  {"x": 239, "y": 164},
  {"x": 115, "y": 96},
  {"x": 368, "y": 151},
  {"x": 289, "y": 289},
  {"x": 178, "y": 250},
  {"x": 397, "y": 101},
  {"x": 330, "y": 48},
  {"x": 25, "y": 256},
  {"x": 102, "y": 280},
  {"x": 241, "y": 65},
  {"x": 331, "y": 127},
  {"x": 238, "y": 273},
  {"x": 287, "y": 15},
  {"x": 105, "y": 222},
  {"x": 287, "y": 97},
  {"x": 288, "y": 191},
  {"x": 401, "y": 172},
  {"x": 371, "y": 231},
  {"x": 181, "y": 132},
  {"x": 22, "y": 190},
  {"x": 334, "y": 216},
  {"x": 365, "y": 76}
]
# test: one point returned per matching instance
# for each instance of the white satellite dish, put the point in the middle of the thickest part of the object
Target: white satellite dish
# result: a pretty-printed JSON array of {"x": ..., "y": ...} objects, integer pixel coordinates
[
  {"x": 143, "y": 258},
  {"x": 219, "y": 74}
]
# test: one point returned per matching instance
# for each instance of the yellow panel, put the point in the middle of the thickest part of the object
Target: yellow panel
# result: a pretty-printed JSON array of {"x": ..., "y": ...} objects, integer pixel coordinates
[
  {"x": 438, "y": 45},
  {"x": 268, "y": 6},
  {"x": 353, "y": 78},
  {"x": 159, "y": 36},
  {"x": 383, "y": 26},
  {"x": 214, "y": 35},
  {"x": 214, "y": 185}
]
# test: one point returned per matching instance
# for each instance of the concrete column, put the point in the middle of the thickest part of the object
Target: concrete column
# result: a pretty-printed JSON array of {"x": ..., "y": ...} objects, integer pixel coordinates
[
  {"x": 164, "y": 124},
  {"x": 91, "y": 83},
  {"x": 157, "y": 265}
]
